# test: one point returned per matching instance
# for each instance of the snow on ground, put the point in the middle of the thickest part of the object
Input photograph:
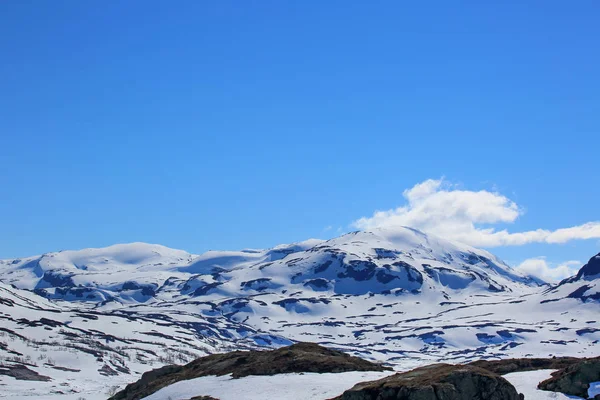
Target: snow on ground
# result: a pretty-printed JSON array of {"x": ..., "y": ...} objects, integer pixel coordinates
[
  {"x": 324, "y": 386},
  {"x": 526, "y": 383},
  {"x": 78, "y": 386},
  {"x": 594, "y": 389},
  {"x": 78, "y": 396},
  {"x": 283, "y": 387},
  {"x": 95, "y": 318},
  {"x": 307, "y": 386}
]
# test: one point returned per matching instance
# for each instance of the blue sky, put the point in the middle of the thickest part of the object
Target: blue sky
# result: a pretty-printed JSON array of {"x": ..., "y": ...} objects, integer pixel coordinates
[{"x": 227, "y": 125}]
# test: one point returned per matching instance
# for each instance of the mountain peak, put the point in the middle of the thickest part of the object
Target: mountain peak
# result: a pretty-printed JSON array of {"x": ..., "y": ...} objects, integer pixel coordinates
[
  {"x": 591, "y": 270},
  {"x": 584, "y": 286}
]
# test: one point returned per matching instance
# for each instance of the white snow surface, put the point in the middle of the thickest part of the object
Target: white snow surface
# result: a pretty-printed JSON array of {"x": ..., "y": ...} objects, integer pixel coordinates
[
  {"x": 398, "y": 296},
  {"x": 323, "y": 386},
  {"x": 307, "y": 386},
  {"x": 594, "y": 389},
  {"x": 526, "y": 383}
]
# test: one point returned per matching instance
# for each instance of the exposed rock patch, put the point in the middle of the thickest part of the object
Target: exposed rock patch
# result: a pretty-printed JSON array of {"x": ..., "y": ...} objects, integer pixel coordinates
[
  {"x": 436, "y": 382},
  {"x": 575, "y": 379},
  {"x": 22, "y": 373},
  {"x": 591, "y": 269},
  {"x": 301, "y": 357},
  {"x": 203, "y": 398},
  {"x": 502, "y": 367}
]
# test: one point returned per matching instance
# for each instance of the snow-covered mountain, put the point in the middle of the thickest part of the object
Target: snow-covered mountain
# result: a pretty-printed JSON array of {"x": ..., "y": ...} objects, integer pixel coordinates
[
  {"x": 358, "y": 263},
  {"x": 399, "y": 296},
  {"x": 583, "y": 286}
]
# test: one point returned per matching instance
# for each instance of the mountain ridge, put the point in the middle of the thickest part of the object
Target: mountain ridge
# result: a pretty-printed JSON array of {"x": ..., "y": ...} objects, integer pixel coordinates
[
  {"x": 400, "y": 297},
  {"x": 152, "y": 263}
]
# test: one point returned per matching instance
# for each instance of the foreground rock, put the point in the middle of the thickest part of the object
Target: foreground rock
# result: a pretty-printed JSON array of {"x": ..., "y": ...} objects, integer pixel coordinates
[
  {"x": 507, "y": 366},
  {"x": 436, "y": 382},
  {"x": 575, "y": 379},
  {"x": 301, "y": 357}
]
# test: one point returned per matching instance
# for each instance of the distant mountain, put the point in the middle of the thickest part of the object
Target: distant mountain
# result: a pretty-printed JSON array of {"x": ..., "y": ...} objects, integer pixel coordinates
[
  {"x": 380, "y": 261},
  {"x": 584, "y": 286},
  {"x": 399, "y": 296},
  {"x": 589, "y": 271}
]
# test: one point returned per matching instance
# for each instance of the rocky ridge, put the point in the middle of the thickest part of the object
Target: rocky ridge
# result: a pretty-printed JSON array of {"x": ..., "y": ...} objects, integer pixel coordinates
[{"x": 300, "y": 357}]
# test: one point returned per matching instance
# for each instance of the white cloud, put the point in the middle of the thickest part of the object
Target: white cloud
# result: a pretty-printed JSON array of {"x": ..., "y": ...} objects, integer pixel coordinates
[
  {"x": 327, "y": 228},
  {"x": 439, "y": 207},
  {"x": 591, "y": 230},
  {"x": 540, "y": 268}
]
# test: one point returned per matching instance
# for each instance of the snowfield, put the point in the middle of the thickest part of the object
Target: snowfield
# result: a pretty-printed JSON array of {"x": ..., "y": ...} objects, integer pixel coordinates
[
  {"x": 526, "y": 383},
  {"x": 308, "y": 386},
  {"x": 305, "y": 386},
  {"x": 323, "y": 386},
  {"x": 95, "y": 318}
]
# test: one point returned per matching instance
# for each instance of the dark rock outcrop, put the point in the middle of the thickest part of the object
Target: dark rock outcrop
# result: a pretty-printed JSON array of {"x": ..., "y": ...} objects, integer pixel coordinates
[
  {"x": 507, "y": 366},
  {"x": 203, "y": 398},
  {"x": 300, "y": 357},
  {"x": 575, "y": 379},
  {"x": 580, "y": 293},
  {"x": 436, "y": 382},
  {"x": 22, "y": 373},
  {"x": 583, "y": 285},
  {"x": 591, "y": 269},
  {"x": 55, "y": 279}
]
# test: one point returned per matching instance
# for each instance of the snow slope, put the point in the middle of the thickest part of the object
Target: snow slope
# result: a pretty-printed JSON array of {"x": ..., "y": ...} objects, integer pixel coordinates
[
  {"x": 306, "y": 386},
  {"x": 398, "y": 296},
  {"x": 526, "y": 383},
  {"x": 311, "y": 386}
]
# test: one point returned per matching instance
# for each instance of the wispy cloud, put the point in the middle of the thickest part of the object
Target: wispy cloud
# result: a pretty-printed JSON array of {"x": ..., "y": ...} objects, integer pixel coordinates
[{"x": 438, "y": 207}]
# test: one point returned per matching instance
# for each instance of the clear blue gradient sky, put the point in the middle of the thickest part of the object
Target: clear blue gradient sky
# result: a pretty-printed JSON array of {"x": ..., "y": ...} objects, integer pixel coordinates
[{"x": 231, "y": 124}]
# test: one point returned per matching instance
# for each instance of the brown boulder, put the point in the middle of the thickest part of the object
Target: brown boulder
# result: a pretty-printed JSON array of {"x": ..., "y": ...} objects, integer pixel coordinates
[
  {"x": 575, "y": 379},
  {"x": 436, "y": 382}
]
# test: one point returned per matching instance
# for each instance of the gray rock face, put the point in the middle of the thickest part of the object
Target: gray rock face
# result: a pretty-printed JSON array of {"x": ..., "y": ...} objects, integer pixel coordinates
[
  {"x": 436, "y": 382},
  {"x": 575, "y": 379}
]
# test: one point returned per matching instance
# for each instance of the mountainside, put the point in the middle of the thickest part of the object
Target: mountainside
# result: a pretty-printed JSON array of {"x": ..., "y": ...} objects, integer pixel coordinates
[
  {"x": 357, "y": 263},
  {"x": 97, "y": 317},
  {"x": 591, "y": 270},
  {"x": 583, "y": 286}
]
